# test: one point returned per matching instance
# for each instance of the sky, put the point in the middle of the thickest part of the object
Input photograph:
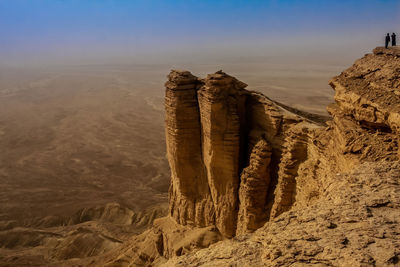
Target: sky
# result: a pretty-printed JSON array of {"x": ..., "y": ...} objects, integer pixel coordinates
[{"x": 46, "y": 32}]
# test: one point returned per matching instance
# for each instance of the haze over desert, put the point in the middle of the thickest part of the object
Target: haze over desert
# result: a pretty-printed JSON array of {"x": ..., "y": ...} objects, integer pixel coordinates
[
  {"x": 85, "y": 136},
  {"x": 187, "y": 133}
]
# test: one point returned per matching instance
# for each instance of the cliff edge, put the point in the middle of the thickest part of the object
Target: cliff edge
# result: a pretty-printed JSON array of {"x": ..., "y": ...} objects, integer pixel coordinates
[{"x": 275, "y": 185}]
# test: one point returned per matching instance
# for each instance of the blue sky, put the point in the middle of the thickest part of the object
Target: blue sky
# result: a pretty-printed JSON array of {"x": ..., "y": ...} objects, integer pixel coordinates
[{"x": 91, "y": 31}]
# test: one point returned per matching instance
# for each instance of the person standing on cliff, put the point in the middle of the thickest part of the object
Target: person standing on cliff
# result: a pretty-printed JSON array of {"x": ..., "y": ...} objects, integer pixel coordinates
[
  {"x": 393, "y": 39},
  {"x": 387, "y": 40}
]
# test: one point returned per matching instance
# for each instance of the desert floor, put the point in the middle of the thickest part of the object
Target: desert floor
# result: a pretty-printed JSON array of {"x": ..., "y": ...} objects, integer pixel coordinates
[{"x": 75, "y": 139}]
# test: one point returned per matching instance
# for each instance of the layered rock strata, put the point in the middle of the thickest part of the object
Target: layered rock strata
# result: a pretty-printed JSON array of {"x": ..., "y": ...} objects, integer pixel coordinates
[
  {"x": 190, "y": 197},
  {"x": 215, "y": 129},
  {"x": 355, "y": 223},
  {"x": 221, "y": 101},
  {"x": 318, "y": 193},
  {"x": 294, "y": 153},
  {"x": 335, "y": 200},
  {"x": 368, "y": 91},
  {"x": 254, "y": 184}
]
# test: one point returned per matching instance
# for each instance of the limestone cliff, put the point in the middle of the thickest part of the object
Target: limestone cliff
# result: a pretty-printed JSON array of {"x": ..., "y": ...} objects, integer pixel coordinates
[
  {"x": 336, "y": 200},
  {"x": 368, "y": 90},
  {"x": 221, "y": 101},
  {"x": 215, "y": 134},
  {"x": 190, "y": 197},
  {"x": 319, "y": 192},
  {"x": 355, "y": 223}
]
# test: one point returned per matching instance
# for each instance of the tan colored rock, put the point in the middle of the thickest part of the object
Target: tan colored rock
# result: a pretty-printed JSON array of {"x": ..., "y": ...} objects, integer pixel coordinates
[
  {"x": 370, "y": 89},
  {"x": 254, "y": 184},
  {"x": 356, "y": 223},
  {"x": 287, "y": 134},
  {"x": 190, "y": 200},
  {"x": 294, "y": 153},
  {"x": 293, "y": 189},
  {"x": 221, "y": 108},
  {"x": 166, "y": 239},
  {"x": 314, "y": 193},
  {"x": 220, "y": 126}
]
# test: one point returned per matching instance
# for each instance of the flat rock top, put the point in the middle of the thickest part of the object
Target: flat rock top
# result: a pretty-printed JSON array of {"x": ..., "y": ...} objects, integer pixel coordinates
[
  {"x": 221, "y": 79},
  {"x": 394, "y": 50},
  {"x": 181, "y": 77}
]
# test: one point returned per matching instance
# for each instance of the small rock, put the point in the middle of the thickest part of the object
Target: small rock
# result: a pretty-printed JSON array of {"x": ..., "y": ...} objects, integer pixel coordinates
[{"x": 331, "y": 225}]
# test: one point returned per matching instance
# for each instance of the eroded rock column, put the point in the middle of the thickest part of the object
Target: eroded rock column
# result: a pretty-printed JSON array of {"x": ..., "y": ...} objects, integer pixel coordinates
[
  {"x": 255, "y": 180},
  {"x": 221, "y": 107},
  {"x": 294, "y": 153},
  {"x": 190, "y": 199}
]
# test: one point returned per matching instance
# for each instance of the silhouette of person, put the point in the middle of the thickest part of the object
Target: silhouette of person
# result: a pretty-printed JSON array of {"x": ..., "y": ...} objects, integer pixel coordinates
[
  {"x": 387, "y": 40},
  {"x": 393, "y": 39}
]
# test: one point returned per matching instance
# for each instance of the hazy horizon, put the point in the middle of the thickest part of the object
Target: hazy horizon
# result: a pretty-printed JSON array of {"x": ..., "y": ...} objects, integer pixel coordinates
[
  {"x": 71, "y": 32},
  {"x": 86, "y": 120}
]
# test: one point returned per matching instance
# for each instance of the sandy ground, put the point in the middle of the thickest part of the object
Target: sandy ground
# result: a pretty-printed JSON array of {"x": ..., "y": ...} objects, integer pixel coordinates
[{"x": 72, "y": 140}]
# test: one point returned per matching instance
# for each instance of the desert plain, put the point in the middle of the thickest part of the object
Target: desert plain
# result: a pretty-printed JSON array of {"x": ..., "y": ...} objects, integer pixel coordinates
[{"x": 83, "y": 161}]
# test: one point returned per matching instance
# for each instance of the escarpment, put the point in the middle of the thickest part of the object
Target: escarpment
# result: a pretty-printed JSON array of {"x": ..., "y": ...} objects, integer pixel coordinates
[
  {"x": 290, "y": 186},
  {"x": 333, "y": 190},
  {"x": 236, "y": 141},
  {"x": 368, "y": 91}
]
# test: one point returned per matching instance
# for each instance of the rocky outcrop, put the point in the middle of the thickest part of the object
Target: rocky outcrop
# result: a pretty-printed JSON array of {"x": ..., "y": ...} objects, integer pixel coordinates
[
  {"x": 234, "y": 156},
  {"x": 368, "y": 93},
  {"x": 332, "y": 197},
  {"x": 222, "y": 139},
  {"x": 254, "y": 184},
  {"x": 190, "y": 197},
  {"x": 166, "y": 239},
  {"x": 355, "y": 223},
  {"x": 294, "y": 153},
  {"x": 319, "y": 192},
  {"x": 221, "y": 101}
]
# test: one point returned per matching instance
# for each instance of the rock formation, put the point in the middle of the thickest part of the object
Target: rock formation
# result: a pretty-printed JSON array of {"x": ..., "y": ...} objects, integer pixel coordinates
[
  {"x": 211, "y": 126},
  {"x": 221, "y": 103},
  {"x": 368, "y": 90},
  {"x": 336, "y": 200},
  {"x": 318, "y": 192},
  {"x": 356, "y": 223},
  {"x": 190, "y": 197},
  {"x": 254, "y": 184}
]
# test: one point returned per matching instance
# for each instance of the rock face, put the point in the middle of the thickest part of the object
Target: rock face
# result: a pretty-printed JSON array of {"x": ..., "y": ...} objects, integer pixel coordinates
[
  {"x": 255, "y": 181},
  {"x": 336, "y": 199},
  {"x": 356, "y": 223},
  {"x": 368, "y": 93},
  {"x": 313, "y": 192},
  {"x": 190, "y": 197},
  {"x": 203, "y": 126},
  {"x": 212, "y": 126},
  {"x": 221, "y": 102},
  {"x": 294, "y": 153},
  {"x": 369, "y": 89}
]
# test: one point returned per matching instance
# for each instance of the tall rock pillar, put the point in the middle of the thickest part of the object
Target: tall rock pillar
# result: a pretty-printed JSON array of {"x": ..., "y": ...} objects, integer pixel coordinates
[
  {"x": 190, "y": 199},
  {"x": 221, "y": 101}
]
